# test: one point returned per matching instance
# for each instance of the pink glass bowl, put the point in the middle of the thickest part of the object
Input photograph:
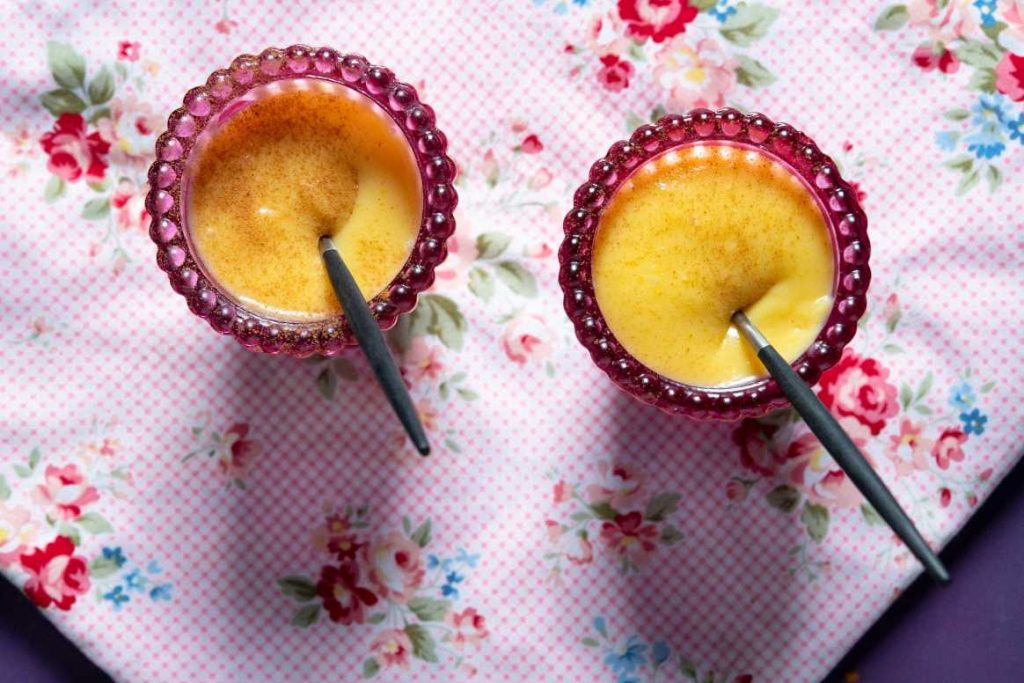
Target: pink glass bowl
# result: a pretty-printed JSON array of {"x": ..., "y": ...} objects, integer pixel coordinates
[
  {"x": 223, "y": 96},
  {"x": 847, "y": 226}
]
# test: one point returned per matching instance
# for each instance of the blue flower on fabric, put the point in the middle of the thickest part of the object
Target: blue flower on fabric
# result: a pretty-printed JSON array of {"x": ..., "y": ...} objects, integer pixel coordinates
[
  {"x": 432, "y": 562},
  {"x": 1015, "y": 129},
  {"x": 469, "y": 560},
  {"x": 986, "y": 8},
  {"x": 161, "y": 592},
  {"x": 991, "y": 116},
  {"x": 117, "y": 597},
  {"x": 134, "y": 580},
  {"x": 627, "y": 657},
  {"x": 154, "y": 567},
  {"x": 659, "y": 653},
  {"x": 722, "y": 10},
  {"x": 961, "y": 396},
  {"x": 946, "y": 140},
  {"x": 115, "y": 555},
  {"x": 449, "y": 589},
  {"x": 974, "y": 422}
]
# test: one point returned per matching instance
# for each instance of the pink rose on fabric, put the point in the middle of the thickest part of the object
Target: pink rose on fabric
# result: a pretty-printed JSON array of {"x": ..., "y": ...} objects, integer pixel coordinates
[
  {"x": 949, "y": 447},
  {"x": 615, "y": 73},
  {"x": 74, "y": 153},
  {"x": 128, "y": 51},
  {"x": 562, "y": 493},
  {"x": 735, "y": 491},
  {"x": 56, "y": 576},
  {"x": 1010, "y": 76},
  {"x": 606, "y": 35},
  {"x": 812, "y": 470},
  {"x": 238, "y": 452},
  {"x": 1011, "y": 13},
  {"x": 130, "y": 130},
  {"x": 129, "y": 204},
  {"x": 908, "y": 450},
  {"x": 392, "y": 648},
  {"x": 542, "y": 250},
  {"x": 945, "y": 497},
  {"x": 618, "y": 485},
  {"x": 225, "y": 26},
  {"x": 541, "y": 179},
  {"x": 857, "y": 387},
  {"x": 64, "y": 492},
  {"x": 554, "y": 530},
  {"x": 757, "y": 452},
  {"x": 395, "y": 566},
  {"x": 527, "y": 337},
  {"x": 656, "y": 19},
  {"x": 16, "y": 533},
  {"x": 531, "y": 144},
  {"x": 421, "y": 361},
  {"x": 468, "y": 627},
  {"x": 946, "y": 20},
  {"x": 629, "y": 538},
  {"x": 453, "y": 274},
  {"x": 698, "y": 75}
]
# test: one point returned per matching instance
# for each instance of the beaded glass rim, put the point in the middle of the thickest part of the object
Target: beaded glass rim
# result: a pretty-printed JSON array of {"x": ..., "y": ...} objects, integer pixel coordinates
[
  {"x": 200, "y": 107},
  {"x": 847, "y": 226}
]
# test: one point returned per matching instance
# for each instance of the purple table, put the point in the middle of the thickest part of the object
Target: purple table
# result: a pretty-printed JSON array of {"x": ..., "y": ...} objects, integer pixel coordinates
[{"x": 967, "y": 632}]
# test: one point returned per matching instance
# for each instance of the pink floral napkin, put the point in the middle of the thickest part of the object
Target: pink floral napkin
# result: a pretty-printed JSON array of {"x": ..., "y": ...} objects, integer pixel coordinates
[{"x": 186, "y": 510}]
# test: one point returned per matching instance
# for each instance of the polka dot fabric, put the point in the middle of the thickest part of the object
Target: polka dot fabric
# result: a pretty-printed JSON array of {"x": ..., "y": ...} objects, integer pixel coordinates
[{"x": 185, "y": 509}]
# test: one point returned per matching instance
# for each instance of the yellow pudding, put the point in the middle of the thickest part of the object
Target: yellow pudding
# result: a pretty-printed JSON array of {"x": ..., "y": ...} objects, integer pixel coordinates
[
  {"x": 697, "y": 234},
  {"x": 303, "y": 160}
]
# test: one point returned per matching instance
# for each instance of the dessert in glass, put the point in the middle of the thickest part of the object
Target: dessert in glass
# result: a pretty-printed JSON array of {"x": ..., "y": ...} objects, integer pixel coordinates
[
  {"x": 698, "y": 216},
  {"x": 276, "y": 151}
]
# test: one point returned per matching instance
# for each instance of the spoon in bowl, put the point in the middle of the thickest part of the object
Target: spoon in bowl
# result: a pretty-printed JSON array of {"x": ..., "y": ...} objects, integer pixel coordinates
[
  {"x": 371, "y": 341},
  {"x": 840, "y": 446}
]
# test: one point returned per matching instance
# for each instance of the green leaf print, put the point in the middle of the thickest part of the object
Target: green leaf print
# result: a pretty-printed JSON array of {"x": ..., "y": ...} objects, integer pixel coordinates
[
  {"x": 687, "y": 668},
  {"x": 784, "y": 498},
  {"x": 892, "y": 18},
  {"x": 906, "y": 395},
  {"x": 59, "y": 102},
  {"x": 661, "y": 506},
  {"x": 670, "y": 535},
  {"x": 33, "y": 459},
  {"x": 748, "y": 24},
  {"x": 978, "y": 54},
  {"x": 968, "y": 182},
  {"x": 957, "y": 115},
  {"x": 962, "y": 163},
  {"x": 101, "y": 87},
  {"x": 423, "y": 644},
  {"x": 96, "y": 209},
  {"x": 439, "y": 316},
  {"x": 753, "y": 73},
  {"x": 481, "y": 283},
  {"x": 815, "y": 518},
  {"x": 66, "y": 65},
  {"x": 102, "y": 567},
  {"x": 54, "y": 190},
  {"x": 344, "y": 369},
  {"x": 983, "y": 80},
  {"x": 924, "y": 387},
  {"x": 429, "y": 609},
  {"x": 307, "y": 615},
  {"x": 871, "y": 516},
  {"x": 71, "y": 532},
  {"x": 703, "y": 5},
  {"x": 370, "y": 668},
  {"x": 491, "y": 245},
  {"x": 5, "y": 490},
  {"x": 994, "y": 177},
  {"x": 590, "y": 642},
  {"x": 376, "y": 618},
  {"x": 101, "y": 113},
  {"x": 94, "y": 523},
  {"x": 297, "y": 588},
  {"x": 517, "y": 278},
  {"x": 326, "y": 383},
  {"x": 422, "y": 534},
  {"x": 603, "y": 510}
]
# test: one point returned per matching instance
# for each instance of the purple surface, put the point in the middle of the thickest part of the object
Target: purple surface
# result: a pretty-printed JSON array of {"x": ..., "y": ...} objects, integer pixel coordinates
[{"x": 970, "y": 631}]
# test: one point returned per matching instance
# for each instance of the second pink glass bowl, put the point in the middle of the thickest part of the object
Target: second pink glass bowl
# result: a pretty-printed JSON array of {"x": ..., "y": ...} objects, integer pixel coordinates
[
  {"x": 846, "y": 223},
  {"x": 207, "y": 105}
]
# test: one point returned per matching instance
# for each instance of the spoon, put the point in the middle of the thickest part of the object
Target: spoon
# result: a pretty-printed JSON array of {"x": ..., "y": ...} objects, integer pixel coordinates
[
  {"x": 371, "y": 341},
  {"x": 841, "y": 447}
]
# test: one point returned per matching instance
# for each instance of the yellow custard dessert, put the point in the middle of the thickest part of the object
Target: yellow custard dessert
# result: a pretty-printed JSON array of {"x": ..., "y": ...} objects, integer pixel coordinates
[
  {"x": 300, "y": 162},
  {"x": 697, "y": 234}
]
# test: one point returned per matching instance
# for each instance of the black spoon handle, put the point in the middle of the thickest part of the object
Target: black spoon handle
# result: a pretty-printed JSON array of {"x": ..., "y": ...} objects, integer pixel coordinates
[
  {"x": 842, "y": 449},
  {"x": 371, "y": 340}
]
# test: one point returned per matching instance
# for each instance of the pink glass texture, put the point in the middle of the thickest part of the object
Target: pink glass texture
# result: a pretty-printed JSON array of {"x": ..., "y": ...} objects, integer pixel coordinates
[
  {"x": 847, "y": 226},
  {"x": 225, "y": 93}
]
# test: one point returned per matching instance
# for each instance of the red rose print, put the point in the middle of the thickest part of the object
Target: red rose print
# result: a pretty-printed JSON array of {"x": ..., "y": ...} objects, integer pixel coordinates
[
  {"x": 735, "y": 490},
  {"x": 531, "y": 144},
  {"x": 239, "y": 452},
  {"x": 343, "y": 598},
  {"x": 64, "y": 492},
  {"x": 468, "y": 627},
  {"x": 345, "y": 547},
  {"x": 73, "y": 153},
  {"x": 1010, "y": 76},
  {"x": 656, "y": 19},
  {"x": 756, "y": 451},
  {"x": 857, "y": 387},
  {"x": 986, "y": 474},
  {"x": 56, "y": 576},
  {"x": 128, "y": 51},
  {"x": 615, "y": 73},
  {"x": 945, "y": 496},
  {"x": 947, "y": 447},
  {"x": 930, "y": 57},
  {"x": 628, "y": 537}
]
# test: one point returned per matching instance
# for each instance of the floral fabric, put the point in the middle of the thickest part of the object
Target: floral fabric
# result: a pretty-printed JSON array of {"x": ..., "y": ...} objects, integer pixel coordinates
[{"x": 186, "y": 510}]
